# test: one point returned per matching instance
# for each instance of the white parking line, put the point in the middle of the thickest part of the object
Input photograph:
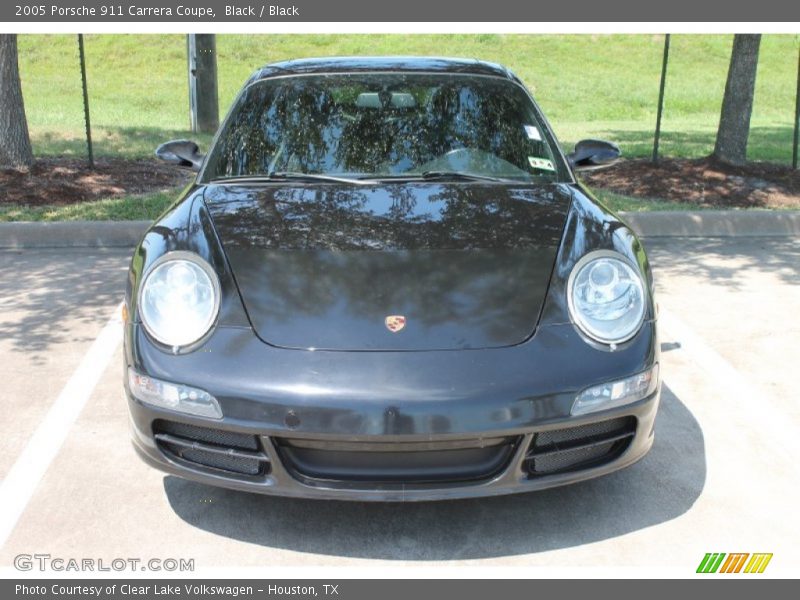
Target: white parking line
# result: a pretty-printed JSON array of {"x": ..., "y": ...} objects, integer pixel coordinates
[{"x": 21, "y": 481}]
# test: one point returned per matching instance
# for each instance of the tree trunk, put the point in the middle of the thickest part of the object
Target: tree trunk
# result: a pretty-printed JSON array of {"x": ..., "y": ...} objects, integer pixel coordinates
[
  {"x": 15, "y": 144},
  {"x": 206, "y": 79},
  {"x": 737, "y": 105}
]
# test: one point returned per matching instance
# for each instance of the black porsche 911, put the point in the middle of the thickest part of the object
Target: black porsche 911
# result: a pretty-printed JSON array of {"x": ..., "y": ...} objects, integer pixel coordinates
[{"x": 385, "y": 283}]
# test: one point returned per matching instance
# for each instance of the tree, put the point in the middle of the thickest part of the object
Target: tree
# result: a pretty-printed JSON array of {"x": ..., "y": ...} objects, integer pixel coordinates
[
  {"x": 204, "y": 74},
  {"x": 737, "y": 104},
  {"x": 15, "y": 143}
]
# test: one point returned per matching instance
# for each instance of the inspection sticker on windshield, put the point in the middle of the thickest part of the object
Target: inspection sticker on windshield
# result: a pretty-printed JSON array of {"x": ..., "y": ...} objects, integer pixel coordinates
[
  {"x": 541, "y": 163},
  {"x": 533, "y": 133}
]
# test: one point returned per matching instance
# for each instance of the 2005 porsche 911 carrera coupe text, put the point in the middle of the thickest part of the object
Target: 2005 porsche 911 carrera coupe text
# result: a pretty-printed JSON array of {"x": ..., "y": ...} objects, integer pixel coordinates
[{"x": 386, "y": 283}]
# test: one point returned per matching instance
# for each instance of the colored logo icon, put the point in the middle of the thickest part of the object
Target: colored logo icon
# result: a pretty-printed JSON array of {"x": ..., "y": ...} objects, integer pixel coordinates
[
  {"x": 737, "y": 562},
  {"x": 395, "y": 323}
]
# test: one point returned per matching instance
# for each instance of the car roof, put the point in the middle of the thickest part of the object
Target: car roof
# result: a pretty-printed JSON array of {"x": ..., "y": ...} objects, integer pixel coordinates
[{"x": 344, "y": 64}]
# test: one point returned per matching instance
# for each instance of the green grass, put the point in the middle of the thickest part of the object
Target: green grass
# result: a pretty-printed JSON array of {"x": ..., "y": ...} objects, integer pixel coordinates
[
  {"x": 588, "y": 85},
  {"x": 132, "y": 208},
  {"x": 622, "y": 203}
]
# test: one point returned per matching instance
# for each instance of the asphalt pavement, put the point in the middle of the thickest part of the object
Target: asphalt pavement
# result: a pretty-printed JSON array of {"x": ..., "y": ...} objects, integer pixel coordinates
[{"x": 721, "y": 477}]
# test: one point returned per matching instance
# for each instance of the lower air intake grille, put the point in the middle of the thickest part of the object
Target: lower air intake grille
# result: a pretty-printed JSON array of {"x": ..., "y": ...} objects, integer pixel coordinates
[
  {"x": 217, "y": 449},
  {"x": 397, "y": 462},
  {"x": 581, "y": 447}
]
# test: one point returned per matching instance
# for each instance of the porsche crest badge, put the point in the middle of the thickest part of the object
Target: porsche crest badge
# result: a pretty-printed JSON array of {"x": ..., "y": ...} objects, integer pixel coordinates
[{"x": 395, "y": 323}]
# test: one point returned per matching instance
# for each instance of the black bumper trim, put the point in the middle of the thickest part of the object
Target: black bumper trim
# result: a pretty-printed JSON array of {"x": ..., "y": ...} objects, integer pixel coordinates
[{"x": 194, "y": 445}]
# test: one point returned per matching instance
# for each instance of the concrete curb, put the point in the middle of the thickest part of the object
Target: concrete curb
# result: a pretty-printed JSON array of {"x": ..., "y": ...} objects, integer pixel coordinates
[
  {"x": 707, "y": 223},
  {"x": 715, "y": 223},
  {"x": 72, "y": 234}
]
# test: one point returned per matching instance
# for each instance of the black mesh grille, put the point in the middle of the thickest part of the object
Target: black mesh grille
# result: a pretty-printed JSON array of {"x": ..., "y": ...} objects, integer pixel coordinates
[
  {"x": 228, "y": 451},
  {"x": 397, "y": 462},
  {"x": 562, "y": 461},
  {"x": 559, "y": 436},
  {"x": 235, "y": 464},
  {"x": 561, "y": 450},
  {"x": 218, "y": 437}
]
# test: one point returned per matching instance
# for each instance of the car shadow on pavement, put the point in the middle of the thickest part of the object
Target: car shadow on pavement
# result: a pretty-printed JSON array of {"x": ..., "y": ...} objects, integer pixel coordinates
[{"x": 662, "y": 486}]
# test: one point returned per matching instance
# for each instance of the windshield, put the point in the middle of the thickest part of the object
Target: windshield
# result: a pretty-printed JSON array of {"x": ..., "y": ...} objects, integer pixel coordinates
[{"x": 385, "y": 126}]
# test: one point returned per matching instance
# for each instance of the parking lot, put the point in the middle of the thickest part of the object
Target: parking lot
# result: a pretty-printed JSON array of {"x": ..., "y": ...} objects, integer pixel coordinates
[{"x": 721, "y": 477}]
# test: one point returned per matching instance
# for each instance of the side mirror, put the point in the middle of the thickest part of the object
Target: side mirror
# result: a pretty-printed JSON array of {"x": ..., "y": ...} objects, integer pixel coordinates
[
  {"x": 183, "y": 153},
  {"x": 593, "y": 154}
]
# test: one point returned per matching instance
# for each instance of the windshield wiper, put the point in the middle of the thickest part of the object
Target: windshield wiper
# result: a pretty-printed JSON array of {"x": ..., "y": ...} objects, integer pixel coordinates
[
  {"x": 289, "y": 176},
  {"x": 317, "y": 177},
  {"x": 434, "y": 175},
  {"x": 462, "y": 175},
  {"x": 297, "y": 176}
]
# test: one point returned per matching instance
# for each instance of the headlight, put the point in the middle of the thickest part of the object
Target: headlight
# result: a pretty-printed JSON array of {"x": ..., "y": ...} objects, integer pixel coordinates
[
  {"x": 179, "y": 299},
  {"x": 173, "y": 396},
  {"x": 616, "y": 393},
  {"x": 606, "y": 297}
]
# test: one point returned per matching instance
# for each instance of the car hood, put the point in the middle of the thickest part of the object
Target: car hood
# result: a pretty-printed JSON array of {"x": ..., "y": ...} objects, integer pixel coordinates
[{"x": 324, "y": 266}]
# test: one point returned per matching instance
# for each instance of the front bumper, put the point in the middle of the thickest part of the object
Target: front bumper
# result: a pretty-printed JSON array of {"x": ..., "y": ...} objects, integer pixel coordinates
[{"x": 446, "y": 400}]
